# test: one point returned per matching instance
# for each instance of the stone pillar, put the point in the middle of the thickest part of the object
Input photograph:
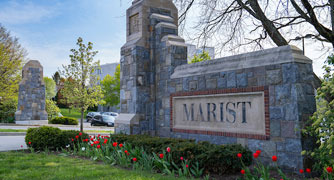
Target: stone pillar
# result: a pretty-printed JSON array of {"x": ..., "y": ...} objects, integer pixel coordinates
[
  {"x": 31, "y": 101},
  {"x": 144, "y": 69}
]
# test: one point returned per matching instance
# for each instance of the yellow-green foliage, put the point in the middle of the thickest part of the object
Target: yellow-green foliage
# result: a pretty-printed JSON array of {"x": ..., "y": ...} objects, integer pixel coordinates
[
  {"x": 111, "y": 88},
  {"x": 50, "y": 87},
  {"x": 204, "y": 56},
  {"x": 81, "y": 89},
  {"x": 323, "y": 120},
  {"x": 12, "y": 56},
  {"x": 51, "y": 108}
]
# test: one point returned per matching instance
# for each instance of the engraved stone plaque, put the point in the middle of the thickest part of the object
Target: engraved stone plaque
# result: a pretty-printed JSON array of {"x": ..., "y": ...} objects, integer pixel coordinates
[
  {"x": 134, "y": 24},
  {"x": 242, "y": 113}
]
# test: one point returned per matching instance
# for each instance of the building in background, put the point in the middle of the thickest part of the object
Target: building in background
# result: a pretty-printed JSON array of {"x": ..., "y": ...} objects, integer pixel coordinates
[
  {"x": 110, "y": 69},
  {"x": 193, "y": 50}
]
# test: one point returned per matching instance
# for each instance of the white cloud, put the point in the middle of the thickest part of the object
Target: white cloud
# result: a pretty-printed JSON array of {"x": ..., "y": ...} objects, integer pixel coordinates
[{"x": 24, "y": 12}]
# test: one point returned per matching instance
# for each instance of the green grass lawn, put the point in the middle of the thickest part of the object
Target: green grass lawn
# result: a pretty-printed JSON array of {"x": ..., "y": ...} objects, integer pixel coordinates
[
  {"x": 20, "y": 165},
  {"x": 74, "y": 113},
  {"x": 13, "y": 130},
  {"x": 86, "y": 131}
]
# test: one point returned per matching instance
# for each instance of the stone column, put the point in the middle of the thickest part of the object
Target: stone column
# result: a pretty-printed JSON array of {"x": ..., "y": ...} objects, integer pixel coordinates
[
  {"x": 31, "y": 101},
  {"x": 143, "y": 68}
]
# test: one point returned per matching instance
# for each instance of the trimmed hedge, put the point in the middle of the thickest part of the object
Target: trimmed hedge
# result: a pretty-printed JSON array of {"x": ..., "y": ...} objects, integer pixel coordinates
[
  {"x": 64, "y": 120},
  {"x": 51, "y": 138},
  {"x": 218, "y": 159}
]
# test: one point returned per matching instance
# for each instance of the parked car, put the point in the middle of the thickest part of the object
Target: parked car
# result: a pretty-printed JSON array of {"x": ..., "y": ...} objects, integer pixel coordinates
[
  {"x": 103, "y": 120},
  {"x": 110, "y": 114},
  {"x": 90, "y": 115}
]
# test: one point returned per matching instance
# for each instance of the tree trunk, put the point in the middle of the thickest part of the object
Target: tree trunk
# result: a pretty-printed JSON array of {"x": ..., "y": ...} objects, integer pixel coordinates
[{"x": 81, "y": 120}]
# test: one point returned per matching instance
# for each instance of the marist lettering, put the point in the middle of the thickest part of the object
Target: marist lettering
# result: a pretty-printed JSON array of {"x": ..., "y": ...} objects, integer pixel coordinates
[{"x": 227, "y": 112}]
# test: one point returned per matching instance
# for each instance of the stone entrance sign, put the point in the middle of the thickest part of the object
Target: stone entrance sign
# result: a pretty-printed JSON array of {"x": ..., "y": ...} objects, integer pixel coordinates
[
  {"x": 259, "y": 99},
  {"x": 240, "y": 113},
  {"x": 31, "y": 101}
]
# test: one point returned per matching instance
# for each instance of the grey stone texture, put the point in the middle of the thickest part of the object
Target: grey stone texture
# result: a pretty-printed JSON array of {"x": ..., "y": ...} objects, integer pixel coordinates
[
  {"x": 154, "y": 65},
  {"x": 31, "y": 100}
]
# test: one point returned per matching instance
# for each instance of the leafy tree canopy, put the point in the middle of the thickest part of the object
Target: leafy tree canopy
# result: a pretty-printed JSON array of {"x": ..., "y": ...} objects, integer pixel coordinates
[
  {"x": 50, "y": 88},
  {"x": 81, "y": 89},
  {"x": 204, "y": 56},
  {"x": 12, "y": 57},
  {"x": 111, "y": 88}
]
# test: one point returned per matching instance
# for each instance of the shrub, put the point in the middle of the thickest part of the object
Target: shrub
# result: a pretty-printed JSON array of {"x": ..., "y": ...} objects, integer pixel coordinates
[
  {"x": 219, "y": 159},
  {"x": 64, "y": 120},
  {"x": 7, "y": 110},
  {"x": 51, "y": 138}
]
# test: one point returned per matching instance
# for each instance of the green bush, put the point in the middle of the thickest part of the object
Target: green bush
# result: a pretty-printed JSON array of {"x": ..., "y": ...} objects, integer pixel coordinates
[
  {"x": 51, "y": 138},
  {"x": 64, "y": 120},
  {"x": 7, "y": 110},
  {"x": 218, "y": 159}
]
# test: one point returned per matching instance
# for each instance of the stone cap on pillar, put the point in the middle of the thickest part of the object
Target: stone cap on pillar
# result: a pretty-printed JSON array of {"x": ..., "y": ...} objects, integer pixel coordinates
[
  {"x": 31, "y": 64},
  {"x": 278, "y": 55}
]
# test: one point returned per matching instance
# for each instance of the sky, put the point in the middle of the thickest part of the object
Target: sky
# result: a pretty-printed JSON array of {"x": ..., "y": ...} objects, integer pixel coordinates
[{"x": 49, "y": 29}]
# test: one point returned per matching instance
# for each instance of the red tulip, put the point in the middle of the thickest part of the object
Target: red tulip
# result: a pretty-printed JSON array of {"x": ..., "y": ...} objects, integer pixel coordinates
[
  {"x": 187, "y": 166},
  {"x": 76, "y": 137},
  {"x": 114, "y": 144},
  {"x": 274, "y": 158},
  {"x": 308, "y": 170},
  {"x": 168, "y": 149},
  {"x": 242, "y": 171},
  {"x": 301, "y": 171},
  {"x": 256, "y": 155},
  {"x": 181, "y": 158},
  {"x": 21, "y": 146},
  {"x": 258, "y": 152},
  {"x": 120, "y": 145},
  {"x": 29, "y": 142},
  {"x": 126, "y": 151},
  {"x": 105, "y": 141},
  {"x": 80, "y": 133},
  {"x": 91, "y": 139},
  {"x": 329, "y": 169},
  {"x": 92, "y": 145},
  {"x": 239, "y": 155},
  {"x": 161, "y": 156},
  {"x": 72, "y": 139},
  {"x": 98, "y": 146},
  {"x": 134, "y": 159}
]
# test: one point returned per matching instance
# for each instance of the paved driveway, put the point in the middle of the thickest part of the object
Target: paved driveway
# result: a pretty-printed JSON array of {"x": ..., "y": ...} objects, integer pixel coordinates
[{"x": 8, "y": 143}]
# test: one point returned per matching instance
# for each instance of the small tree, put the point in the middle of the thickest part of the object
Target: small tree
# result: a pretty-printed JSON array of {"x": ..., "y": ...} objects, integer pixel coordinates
[
  {"x": 111, "y": 88},
  {"x": 50, "y": 88},
  {"x": 82, "y": 91},
  {"x": 12, "y": 57},
  {"x": 204, "y": 56},
  {"x": 51, "y": 108},
  {"x": 323, "y": 121}
]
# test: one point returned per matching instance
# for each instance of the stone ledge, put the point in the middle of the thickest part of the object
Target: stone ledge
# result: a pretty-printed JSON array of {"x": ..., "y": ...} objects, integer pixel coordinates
[
  {"x": 166, "y": 25},
  {"x": 279, "y": 55},
  {"x": 161, "y": 17}
]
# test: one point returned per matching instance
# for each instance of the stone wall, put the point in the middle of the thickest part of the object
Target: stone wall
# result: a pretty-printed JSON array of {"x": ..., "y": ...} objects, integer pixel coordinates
[
  {"x": 154, "y": 71},
  {"x": 283, "y": 72}
]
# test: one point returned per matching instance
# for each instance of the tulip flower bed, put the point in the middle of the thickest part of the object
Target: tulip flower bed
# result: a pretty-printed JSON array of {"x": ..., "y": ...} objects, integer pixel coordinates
[
  {"x": 262, "y": 172},
  {"x": 184, "y": 158}
]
